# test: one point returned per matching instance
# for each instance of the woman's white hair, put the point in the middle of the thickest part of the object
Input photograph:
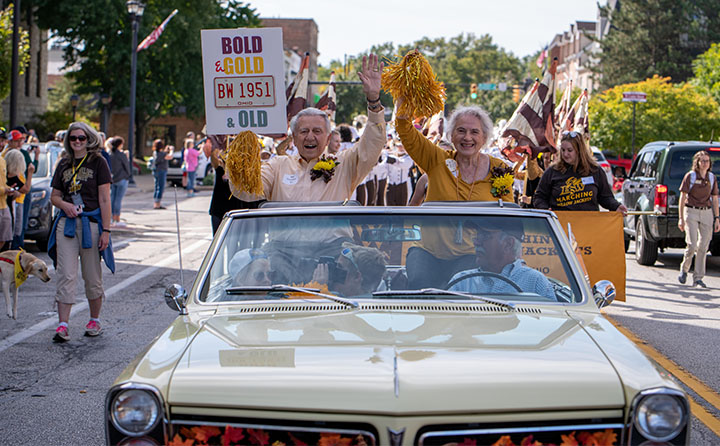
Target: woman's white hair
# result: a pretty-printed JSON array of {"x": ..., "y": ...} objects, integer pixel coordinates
[
  {"x": 312, "y": 111},
  {"x": 15, "y": 162},
  {"x": 473, "y": 110}
]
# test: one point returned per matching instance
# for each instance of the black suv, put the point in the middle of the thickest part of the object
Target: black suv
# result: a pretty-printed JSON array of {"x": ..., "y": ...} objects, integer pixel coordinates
[{"x": 654, "y": 185}]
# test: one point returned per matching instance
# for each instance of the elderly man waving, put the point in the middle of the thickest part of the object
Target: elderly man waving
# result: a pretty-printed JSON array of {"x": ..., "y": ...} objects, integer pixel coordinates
[{"x": 291, "y": 178}]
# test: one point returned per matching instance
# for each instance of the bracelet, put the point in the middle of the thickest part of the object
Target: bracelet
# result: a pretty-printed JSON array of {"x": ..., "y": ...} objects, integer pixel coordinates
[
  {"x": 372, "y": 102},
  {"x": 106, "y": 230}
]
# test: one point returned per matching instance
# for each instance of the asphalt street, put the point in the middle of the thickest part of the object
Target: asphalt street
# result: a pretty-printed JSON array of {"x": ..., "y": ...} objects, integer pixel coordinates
[{"x": 53, "y": 394}]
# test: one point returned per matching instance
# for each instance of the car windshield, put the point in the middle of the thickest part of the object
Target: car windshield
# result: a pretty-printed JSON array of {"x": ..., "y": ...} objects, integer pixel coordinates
[
  {"x": 681, "y": 162},
  {"x": 381, "y": 256},
  {"x": 43, "y": 165}
]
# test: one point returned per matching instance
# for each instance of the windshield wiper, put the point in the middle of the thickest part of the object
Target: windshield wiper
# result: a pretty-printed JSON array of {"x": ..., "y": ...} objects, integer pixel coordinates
[
  {"x": 288, "y": 288},
  {"x": 424, "y": 291}
]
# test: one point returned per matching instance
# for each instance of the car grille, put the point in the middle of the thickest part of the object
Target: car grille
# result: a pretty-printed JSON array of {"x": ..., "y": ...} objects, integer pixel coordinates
[
  {"x": 239, "y": 431},
  {"x": 575, "y": 432}
]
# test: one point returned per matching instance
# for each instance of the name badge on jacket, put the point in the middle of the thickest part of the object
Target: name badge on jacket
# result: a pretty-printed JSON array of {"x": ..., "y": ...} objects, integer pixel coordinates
[
  {"x": 588, "y": 180},
  {"x": 290, "y": 179}
]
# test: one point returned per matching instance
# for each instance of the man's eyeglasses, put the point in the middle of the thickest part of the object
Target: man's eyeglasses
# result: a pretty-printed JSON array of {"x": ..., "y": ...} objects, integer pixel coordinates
[{"x": 81, "y": 138}]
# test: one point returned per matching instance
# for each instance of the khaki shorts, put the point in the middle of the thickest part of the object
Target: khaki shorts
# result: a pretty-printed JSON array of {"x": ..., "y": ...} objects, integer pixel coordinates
[{"x": 68, "y": 251}]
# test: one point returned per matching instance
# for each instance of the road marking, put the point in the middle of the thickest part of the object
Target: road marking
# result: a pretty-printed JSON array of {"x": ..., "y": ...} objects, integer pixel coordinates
[
  {"x": 51, "y": 321},
  {"x": 687, "y": 378}
]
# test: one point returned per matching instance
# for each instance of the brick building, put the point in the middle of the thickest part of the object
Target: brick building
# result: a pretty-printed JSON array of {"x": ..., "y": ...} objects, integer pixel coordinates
[
  {"x": 574, "y": 50},
  {"x": 299, "y": 36}
]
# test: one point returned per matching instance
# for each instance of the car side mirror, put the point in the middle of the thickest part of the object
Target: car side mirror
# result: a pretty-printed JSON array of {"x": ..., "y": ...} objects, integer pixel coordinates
[
  {"x": 176, "y": 298},
  {"x": 603, "y": 293}
]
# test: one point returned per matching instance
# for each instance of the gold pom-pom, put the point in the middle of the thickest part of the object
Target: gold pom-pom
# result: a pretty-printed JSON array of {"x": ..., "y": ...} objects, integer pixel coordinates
[
  {"x": 243, "y": 164},
  {"x": 413, "y": 80}
]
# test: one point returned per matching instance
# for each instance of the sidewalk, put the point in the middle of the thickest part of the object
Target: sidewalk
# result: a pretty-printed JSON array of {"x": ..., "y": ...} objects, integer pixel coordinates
[{"x": 146, "y": 183}]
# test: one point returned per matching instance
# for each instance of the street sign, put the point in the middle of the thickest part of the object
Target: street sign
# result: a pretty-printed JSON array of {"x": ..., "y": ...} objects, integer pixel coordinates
[
  {"x": 486, "y": 86},
  {"x": 502, "y": 86},
  {"x": 634, "y": 96},
  {"x": 243, "y": 80}
]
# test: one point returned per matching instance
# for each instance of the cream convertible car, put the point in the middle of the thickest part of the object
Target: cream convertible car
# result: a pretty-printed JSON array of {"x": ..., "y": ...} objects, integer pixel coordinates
[{"x": 442, "y": 324}]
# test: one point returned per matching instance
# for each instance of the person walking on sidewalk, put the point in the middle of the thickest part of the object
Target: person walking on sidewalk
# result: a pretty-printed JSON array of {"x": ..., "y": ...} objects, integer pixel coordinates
[
  {"x": 120, "y": 169},
  {"x": 191, "y": 163},
  {"x": 698, "y": 215},
  {"x": 161, "y": 157},
  {"x": 81, "y": 191}
]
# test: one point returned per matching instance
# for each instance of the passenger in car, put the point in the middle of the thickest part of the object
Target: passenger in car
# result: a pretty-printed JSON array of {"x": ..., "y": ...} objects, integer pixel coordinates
[
  {"x": 358, "y": 270},
  {"x": 498, "y": 249},
  {"x": 250, "y": 267}
]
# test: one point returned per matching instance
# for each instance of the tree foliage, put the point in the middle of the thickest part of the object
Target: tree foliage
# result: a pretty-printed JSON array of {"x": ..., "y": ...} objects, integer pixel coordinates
[
  {"x": 458, "y": 62},
  {"x": 655, "y": 37},
  {"x": 169, "y": 73},
  {"x": 6, "y": 35},
  {"x": 707, "y": 71},
  {"x": 673, "y": 112}
]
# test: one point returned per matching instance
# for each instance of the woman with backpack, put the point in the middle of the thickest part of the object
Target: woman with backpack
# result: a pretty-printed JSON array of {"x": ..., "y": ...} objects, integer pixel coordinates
[{"x": 698, "y": 215}]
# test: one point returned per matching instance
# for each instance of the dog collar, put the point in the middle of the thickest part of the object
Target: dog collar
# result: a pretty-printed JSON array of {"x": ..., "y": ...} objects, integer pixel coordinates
[{"x": 12, "y": 262}]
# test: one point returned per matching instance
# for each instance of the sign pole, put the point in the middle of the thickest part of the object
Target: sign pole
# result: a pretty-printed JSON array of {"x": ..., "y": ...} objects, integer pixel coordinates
[{"x": 633, "y": 130}]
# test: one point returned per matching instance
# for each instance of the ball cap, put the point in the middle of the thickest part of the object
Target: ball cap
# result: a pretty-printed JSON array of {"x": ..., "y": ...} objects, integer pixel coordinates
[
  {"x": 15, "y": 135},
  {"x": 512, "y": 226}
]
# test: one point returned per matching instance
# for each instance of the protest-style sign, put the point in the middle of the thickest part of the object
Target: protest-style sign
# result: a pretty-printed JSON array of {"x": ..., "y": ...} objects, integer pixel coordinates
[{"x": 244, "y": 82}]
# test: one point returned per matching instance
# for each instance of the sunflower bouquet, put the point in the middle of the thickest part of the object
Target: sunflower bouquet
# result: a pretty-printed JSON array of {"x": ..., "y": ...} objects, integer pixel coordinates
[{"x": 324, "y": 168}]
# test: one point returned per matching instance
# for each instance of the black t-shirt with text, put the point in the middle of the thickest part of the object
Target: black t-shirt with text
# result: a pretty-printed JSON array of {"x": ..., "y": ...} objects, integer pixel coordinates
[
  {"x": 570, "y": 191},
  {"x": 93, "y": 172}
]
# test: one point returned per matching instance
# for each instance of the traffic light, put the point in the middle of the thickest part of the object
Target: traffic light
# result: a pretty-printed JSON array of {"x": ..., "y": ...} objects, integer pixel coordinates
[
  {"x": 473, "y": 91},
  {"x": 516, "y": 93}
]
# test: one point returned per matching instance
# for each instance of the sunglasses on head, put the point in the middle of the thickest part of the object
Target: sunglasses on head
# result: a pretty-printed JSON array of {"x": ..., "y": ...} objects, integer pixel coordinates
[
  {"x": 81, "y": 138},
  {"x": 570, "y": 135}
]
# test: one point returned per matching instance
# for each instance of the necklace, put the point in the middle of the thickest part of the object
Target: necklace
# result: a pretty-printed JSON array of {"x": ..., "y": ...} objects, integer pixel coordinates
[{"x": 472, "y": 184}]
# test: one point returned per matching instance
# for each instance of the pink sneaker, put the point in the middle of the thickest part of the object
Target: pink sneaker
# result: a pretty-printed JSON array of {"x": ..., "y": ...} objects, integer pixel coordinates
[
  {"x": 93, "y": 328},
  {"x": 61, "y": 334}
]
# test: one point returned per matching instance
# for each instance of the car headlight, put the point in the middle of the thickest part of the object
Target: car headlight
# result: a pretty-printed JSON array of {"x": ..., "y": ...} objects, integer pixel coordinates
[
  {"x": 660, "y": 417},
  {"x": 37, "y": 195},
  {"x": 135, "y": 412}
]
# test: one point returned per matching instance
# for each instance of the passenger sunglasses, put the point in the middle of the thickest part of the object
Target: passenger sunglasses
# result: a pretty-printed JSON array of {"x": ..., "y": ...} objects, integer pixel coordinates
[
  {"x": 260, "y": 275},
  {"x": 81, "y": 138}
]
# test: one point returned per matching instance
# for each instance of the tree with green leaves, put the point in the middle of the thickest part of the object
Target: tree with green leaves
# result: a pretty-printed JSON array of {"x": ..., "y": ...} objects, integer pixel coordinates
[
  {"x": 673, "y": 112},
  {"x": 458, "y": 62},
  {"x": 655, "y": 37},
  {"x": 6, "y": 41},
  {"x": 169, "y": 73},
  {"x": 707, "y": 71}
]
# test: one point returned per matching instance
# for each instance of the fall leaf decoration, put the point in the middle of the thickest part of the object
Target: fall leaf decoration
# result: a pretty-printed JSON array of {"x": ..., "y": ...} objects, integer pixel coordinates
[
  {"x": 334, "y": 440},
  {"x": 243, "y": 164},
  {"x": 412, "y": 79},
  {"x": 313, "y": 284}
]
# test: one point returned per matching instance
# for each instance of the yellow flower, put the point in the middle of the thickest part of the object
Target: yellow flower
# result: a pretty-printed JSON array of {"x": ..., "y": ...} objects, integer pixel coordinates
[
  {"x": 503, "y": 182},
  {"x": 324, "y": 165}
]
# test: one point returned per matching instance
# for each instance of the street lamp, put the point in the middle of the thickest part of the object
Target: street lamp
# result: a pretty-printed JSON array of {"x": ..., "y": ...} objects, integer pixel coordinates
[
  {"x": 74, "y": 100},
  {"x": 105, "y": 100},
  {"x": 135, "y": 9}
]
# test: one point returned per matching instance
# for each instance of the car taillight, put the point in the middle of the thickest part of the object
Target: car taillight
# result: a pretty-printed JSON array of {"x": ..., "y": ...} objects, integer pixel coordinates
[
  {"x": 605, "y": 166},
  {"x": 714, "y": 149},
  {"x": 661, "y": 198}
]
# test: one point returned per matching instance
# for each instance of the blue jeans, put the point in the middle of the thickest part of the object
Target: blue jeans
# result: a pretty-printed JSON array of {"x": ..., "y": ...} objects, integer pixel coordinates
[
  {"x": 191, "y": 180},
  {"x": 19, "y": 240},
  {"x": 160, "y": 180},
  {"x": 117, "y": 192}
]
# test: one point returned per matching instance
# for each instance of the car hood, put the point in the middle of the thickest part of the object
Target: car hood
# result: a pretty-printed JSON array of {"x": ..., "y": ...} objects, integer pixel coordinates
[{"x": 395, "y": 362}]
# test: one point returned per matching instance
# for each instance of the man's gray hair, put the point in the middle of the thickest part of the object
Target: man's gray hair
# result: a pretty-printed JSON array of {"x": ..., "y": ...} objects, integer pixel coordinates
[
  {"x": 311, "y": 111},
  {"x": 517, "y": 244},
  {"x": 473, "y": 110}
]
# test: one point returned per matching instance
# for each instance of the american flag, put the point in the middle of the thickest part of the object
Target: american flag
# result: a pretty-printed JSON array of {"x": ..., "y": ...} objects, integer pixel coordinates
[
  {"x": 327, "y": 100},
  {"x": 153, "y": 36},
  {"x": 541, "y": 58},
  {"x": 531, "y": 126},
  {"x": 296, "y": 92}
]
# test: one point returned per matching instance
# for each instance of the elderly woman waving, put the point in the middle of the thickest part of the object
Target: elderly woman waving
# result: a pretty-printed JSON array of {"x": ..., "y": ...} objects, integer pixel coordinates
[{"x": 461, "y": 174}]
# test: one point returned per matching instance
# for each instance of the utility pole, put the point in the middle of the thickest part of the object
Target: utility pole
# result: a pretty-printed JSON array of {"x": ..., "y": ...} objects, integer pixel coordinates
[{"x": 14, "y": 64}]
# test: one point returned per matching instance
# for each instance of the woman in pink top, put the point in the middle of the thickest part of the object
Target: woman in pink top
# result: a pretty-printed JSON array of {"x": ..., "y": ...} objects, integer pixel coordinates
[{"x": 191, "y": 163}]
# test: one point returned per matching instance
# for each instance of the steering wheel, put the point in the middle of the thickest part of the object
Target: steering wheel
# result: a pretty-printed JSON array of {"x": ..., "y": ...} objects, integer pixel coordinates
[{"x": 484, "y": 274}]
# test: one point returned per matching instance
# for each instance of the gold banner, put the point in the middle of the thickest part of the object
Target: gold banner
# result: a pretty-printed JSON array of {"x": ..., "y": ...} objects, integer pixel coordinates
[{"x": 600, "y": 240}]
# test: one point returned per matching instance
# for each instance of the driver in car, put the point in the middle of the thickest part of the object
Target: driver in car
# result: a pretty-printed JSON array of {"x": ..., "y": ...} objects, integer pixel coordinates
[{"x": 501, "y": 269}]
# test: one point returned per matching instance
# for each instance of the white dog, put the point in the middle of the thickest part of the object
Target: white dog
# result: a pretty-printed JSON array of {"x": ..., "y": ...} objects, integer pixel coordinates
[{"x": 31, "y": 265}]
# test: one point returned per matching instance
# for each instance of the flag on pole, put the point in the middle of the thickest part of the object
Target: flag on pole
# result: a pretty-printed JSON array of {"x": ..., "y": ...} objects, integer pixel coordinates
[
  {"x": 296, "y": 92},
  {"x": 327, "y": 100},
  {"x": 153, "y": 36},
  {"x": 532, "y": 125},
  {"x": 581, "y": 122},
  {"x": 541, "y": 58},
  {"x": 563, "y": 110}
]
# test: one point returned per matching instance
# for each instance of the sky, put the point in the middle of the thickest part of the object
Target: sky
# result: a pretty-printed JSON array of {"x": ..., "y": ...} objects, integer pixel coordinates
[{"x": 351, "y": 27}]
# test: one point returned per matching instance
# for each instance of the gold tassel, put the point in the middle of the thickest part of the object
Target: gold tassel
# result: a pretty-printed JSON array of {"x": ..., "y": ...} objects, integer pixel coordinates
[
  {"x": 413, "y": 79},
  {"x": 243, "y": 164}
]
